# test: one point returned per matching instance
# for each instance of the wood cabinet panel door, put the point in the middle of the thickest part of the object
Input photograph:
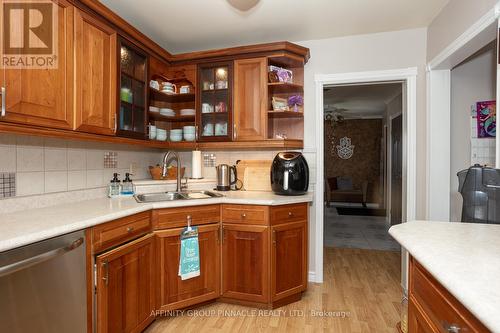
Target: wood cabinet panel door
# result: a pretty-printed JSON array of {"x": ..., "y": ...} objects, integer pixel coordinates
[
  {"x": 95, "y": 75},
  {"x": 245, "y": 262},
  {"x": 44, "y": 97},
  {"x": 175, "y": 293},
  {"x": 289, "y": 259},
  {"x": 417, "y": 321},
  {"x": 125, "y": 287},
  {"x": 250, "y": 99}
]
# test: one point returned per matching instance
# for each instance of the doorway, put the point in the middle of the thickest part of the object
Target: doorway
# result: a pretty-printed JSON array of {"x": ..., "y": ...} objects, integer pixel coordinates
[
  {"x": 362, "y": 149},
  {"x": 409, "y": 78}
]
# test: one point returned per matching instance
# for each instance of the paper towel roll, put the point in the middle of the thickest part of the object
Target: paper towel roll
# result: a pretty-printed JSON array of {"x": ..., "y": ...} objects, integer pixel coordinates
[{"x": 196, "y": 165}]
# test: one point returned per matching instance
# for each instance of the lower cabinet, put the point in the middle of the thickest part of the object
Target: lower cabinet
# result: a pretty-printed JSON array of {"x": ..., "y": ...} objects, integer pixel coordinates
[
  {"x": 417, "y": 321},
  {"x": 245, "y": 262},
  {"x": 289, "y": 259},
  {"x": 175, "y": 293},
  {"x": 125, "y": 287}
]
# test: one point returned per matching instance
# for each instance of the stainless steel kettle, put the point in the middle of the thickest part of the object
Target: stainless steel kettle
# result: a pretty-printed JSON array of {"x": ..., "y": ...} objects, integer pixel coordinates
[{"x": 224, "y": 181}]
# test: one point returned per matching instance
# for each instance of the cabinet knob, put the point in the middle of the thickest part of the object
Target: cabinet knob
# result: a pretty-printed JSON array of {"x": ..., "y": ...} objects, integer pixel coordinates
[
  {"x": 452, "y": 328},
  {"x": 130, "y": 229},
  {"x": 290, "y": 214},
  {"x": 243, "y": 215}
]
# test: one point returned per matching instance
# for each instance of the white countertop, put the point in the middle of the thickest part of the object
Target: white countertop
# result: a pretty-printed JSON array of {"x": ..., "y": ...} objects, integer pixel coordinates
[
  {"x": 463, "y": 257},
  {"x": 29, "y": 226}
]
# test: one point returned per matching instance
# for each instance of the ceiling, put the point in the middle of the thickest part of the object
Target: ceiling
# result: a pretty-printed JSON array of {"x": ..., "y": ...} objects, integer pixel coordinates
[
  {"x": 360, "y": 101},
  {"x": 192, "y": 25}
]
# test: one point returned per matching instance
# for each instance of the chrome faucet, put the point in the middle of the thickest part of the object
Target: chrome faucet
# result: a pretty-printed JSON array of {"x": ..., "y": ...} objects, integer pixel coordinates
[{"x": 166, "y": 160}]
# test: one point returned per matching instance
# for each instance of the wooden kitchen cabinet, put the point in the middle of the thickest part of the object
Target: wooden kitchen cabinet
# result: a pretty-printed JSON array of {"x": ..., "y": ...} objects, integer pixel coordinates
[
  {"x": 250, "y": 99},
  {"x": 44, "y": 97},
  {"x": 288, "y": 259},
  {"x": 245, "y": 262},
  {"x": 174, "y": 293},
  {"x": 95, "y": 75},
  {"x": 125, "y": 288},
  {"x": 432, "y": 309}
]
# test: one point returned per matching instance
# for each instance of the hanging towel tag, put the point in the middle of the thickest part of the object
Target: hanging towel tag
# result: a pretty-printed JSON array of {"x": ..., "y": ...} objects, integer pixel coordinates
[{"x": 189, "y": 261}]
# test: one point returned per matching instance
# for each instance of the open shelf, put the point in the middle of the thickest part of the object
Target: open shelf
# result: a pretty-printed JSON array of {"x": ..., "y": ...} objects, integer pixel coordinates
[
  {"x": 181, "y": 119},
  {"x": 283, "y": 87},
  {"x": 157, "y": 95},
  {"x": 285, "y": 114}
]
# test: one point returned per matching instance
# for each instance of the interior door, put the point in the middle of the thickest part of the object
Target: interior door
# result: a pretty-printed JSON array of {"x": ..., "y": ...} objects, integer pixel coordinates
[
  {"x": 397, "y": 170},
  {"x": 95, "y": 75},
  {"x": 125, "y": 287},
  {"x": 43, "y": 97},
  {"x": 175, "y": 293},
  {"x": 250, "y": 99},
  {"x": 245, "y": 263}
]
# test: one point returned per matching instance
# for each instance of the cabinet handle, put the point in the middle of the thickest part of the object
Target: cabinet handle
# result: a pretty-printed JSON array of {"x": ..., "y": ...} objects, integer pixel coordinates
[
  {"x": 223, "y": 234},
  {"x": 130, "y": 229},
  {"x": 274, "y": 237},
  {"x": 218, "y": 235},
  {"x": 243, "y": 215},
  {"x": 290, "y": 214},
  {"x": 235, "y": 135},
  {"x": 3, "y": 101},
  {"x": 452, "y": 328},
  {"x": 106, "y": 270}
]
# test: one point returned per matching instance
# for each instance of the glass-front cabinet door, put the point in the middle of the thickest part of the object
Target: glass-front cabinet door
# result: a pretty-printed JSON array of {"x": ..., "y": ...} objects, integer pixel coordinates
[
  {"x": 215, "y": 114},
  {"x": 132, "y": 91}
]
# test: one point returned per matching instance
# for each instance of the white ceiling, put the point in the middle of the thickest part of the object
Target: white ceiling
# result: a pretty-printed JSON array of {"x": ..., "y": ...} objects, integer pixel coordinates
[
  {"x": 360, "y": 101},
  {"x": 190, "y": 25}
]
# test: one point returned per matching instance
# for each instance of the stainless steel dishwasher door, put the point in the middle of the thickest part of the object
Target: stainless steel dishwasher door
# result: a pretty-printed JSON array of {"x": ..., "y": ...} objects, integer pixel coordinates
[{"x": 43, "y": 288}]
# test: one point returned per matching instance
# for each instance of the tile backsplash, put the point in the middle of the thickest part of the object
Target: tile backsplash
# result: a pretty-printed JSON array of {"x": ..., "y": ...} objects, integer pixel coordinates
[{"x": 46, "y": 165}]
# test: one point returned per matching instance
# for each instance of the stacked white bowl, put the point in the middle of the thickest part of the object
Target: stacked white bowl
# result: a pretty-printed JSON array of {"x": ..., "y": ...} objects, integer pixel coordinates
[
  {"x": 161, "y": 134},
  {"x": 176, "y": 135},
  {"x": 189, "y": 133}
]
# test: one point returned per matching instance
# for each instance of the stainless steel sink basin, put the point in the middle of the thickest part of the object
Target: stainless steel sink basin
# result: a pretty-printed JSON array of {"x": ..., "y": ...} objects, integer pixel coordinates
[
  {"x": 172, "y": 196},
  {"x": 155, "y": 197}
]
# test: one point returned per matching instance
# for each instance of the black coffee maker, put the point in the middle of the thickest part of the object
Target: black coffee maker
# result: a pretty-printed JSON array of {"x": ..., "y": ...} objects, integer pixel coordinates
[
  {"x": 480, "y": 190},
  {"x": 289, "y": 174}
]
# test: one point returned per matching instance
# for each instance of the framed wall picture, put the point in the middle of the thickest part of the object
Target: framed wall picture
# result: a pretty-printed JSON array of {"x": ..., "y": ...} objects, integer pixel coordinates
[{"x": 486, "y": 119}]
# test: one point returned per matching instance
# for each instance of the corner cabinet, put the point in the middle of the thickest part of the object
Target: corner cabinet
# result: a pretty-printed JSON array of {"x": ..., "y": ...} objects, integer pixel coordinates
[
  {"x": 125, "y": 287},
  {"x": 44, "y": 97},
  {"x": 215, "y": 102},
  {"x": 95, "y": 75}
]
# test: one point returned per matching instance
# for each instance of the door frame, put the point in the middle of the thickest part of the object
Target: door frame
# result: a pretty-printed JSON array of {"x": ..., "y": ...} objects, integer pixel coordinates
[
  {"x": 409, "y": 78},
  {"x": 389, "y": 165}
]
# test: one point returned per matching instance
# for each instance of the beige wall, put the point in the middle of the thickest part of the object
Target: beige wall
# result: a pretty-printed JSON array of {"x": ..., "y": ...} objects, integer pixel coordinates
[{"x": 456, "y": 17}]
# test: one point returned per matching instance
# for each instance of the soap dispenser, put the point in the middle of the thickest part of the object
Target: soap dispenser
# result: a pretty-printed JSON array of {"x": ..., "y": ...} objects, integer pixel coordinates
[
  {"x": 127, "y": 186},
  {"x": 114, "y": 186}
]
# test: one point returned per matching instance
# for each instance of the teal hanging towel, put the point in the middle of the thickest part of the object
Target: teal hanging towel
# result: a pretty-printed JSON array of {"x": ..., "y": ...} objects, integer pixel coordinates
[{"x": 189, "y": 261}]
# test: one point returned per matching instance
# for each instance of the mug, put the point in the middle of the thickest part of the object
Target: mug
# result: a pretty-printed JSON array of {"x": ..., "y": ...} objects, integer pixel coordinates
[
  {"x": 208, "y": 130},
  {"x": 221, "y": 129},
  {"x": 206, "y": 108},
  {"x": 168, "y": 87}
]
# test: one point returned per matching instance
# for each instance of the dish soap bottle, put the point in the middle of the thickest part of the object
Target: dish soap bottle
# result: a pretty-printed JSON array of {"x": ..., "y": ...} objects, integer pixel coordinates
[
  {"x": 114, "y": 186},
  {"x": 127, "y": 186}
]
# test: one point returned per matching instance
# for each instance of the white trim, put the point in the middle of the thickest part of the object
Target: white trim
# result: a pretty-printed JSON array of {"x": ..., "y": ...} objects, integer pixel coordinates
[
  {"x": 409, "y": 77},
  {"x": 474, "y": 30},
  {"x": 389, "y": 166},
  {"x": 311, "y": 277}
]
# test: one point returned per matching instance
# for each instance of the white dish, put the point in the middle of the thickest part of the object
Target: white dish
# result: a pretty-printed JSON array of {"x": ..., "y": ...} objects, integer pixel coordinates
[
  {"x": 176, "y": 132},
  {"x": 175, "y": 138},
  {"x": 154, "y": 109},
  {"x": 189, "y": 129},
  {"x": 188, "y": 112},
  {"x": 189, "y": 137}
]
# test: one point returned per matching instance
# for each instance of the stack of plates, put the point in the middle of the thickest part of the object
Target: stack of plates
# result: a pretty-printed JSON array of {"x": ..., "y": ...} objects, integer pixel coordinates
[
  {"x": 167, "y": 112},
  {"x": 188, "y": 112},
  {"x": 154, "y": 109}
]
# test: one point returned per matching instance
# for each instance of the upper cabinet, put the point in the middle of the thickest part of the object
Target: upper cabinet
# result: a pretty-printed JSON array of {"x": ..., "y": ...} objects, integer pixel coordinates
[
  {"x": 214, "y": 110},
  {"x": 44, "y": 97},
  {"x": 250, "y": 99},
  {"x": 133, "y": 77},
  {"x": 95, "y": 75}
]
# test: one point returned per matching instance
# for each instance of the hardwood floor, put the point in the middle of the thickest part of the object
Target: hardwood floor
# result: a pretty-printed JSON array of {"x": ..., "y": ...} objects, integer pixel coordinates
[{"x": 361, "y": 293}]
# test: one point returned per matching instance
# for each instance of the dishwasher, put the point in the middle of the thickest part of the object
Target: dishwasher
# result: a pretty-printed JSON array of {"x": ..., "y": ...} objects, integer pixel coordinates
[{"x": 43, "y": 286}]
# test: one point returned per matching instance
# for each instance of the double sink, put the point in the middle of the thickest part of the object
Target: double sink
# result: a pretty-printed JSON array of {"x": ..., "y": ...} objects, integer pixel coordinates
[{"x": 173, "y": 196}]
